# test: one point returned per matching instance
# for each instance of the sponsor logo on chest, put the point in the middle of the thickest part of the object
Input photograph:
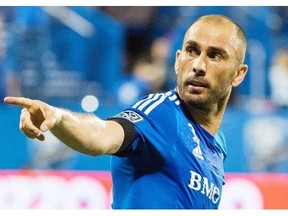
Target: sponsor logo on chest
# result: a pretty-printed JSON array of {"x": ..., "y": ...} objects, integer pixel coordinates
[
  {"x": 197, "y": 181},
  {"x": 203, "y": 185}
]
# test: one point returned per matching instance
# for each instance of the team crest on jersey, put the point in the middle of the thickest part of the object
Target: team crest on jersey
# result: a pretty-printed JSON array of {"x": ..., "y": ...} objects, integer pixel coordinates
[{"x": 130, "y": 115}]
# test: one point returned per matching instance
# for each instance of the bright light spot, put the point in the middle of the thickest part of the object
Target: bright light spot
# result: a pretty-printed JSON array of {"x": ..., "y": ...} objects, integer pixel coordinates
[
  {"x": 128, "y": 93},
  {"x": 89, "y": 103}
]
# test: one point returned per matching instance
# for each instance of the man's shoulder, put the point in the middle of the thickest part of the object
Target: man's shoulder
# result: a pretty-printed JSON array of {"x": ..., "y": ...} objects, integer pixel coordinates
[
  {"x": 158, "y": 109},
  {"x": 156, "y": 102}
]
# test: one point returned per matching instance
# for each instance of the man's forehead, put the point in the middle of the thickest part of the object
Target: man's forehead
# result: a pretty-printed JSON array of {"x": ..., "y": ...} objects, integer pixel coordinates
[
  {"x": 214, "y": 34},
  {"x": 210, "y": 35},
  {"x": 224, "y": 28}
]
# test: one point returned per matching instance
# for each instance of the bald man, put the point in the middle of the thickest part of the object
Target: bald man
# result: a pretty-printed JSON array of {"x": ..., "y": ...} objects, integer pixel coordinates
[{"x": 167, "y": 149}]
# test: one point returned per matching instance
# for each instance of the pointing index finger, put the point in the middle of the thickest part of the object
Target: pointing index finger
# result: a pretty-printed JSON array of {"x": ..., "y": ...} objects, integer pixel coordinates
[{"x": 18, "y": 101}]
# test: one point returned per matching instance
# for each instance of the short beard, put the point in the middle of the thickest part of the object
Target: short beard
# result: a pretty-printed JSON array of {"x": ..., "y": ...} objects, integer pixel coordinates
[
  {"x": 204, "y": 104},
  {"x": 190, "y": 101}
]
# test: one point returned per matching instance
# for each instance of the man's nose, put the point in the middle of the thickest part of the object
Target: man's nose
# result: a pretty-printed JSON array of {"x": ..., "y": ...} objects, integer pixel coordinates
[{"x": 199, "y": 65}]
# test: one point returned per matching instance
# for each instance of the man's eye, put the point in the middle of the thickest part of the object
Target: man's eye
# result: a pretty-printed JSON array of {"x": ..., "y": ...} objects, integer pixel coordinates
[
  {"x": 215, "y": 55},
  {"x": 193, "y": 51}
]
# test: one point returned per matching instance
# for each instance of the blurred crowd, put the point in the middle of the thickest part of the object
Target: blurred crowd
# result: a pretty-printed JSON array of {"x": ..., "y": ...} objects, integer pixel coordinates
[
  {"x": 120, "y": 53},
  {"x": 67, "y": 52}
]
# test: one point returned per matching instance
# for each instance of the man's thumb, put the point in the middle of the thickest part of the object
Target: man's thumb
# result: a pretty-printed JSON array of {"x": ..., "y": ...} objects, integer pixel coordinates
[{"x": 43, "y": 127}]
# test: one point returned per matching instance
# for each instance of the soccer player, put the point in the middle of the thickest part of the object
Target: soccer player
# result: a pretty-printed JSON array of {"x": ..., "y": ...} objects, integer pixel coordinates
[{"x": 167, "y": 148}]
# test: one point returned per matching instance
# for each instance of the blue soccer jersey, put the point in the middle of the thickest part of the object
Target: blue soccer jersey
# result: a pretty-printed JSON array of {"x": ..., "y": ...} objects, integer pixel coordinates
[{"x": 173, "y": 162}]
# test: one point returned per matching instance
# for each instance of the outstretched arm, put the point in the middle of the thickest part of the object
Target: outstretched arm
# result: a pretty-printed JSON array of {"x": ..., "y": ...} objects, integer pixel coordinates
[{"x": 85, "y": 133}]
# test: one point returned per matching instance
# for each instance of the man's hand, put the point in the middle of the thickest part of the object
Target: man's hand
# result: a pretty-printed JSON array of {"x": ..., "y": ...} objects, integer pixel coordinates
[{"x": 36, "y": 116}]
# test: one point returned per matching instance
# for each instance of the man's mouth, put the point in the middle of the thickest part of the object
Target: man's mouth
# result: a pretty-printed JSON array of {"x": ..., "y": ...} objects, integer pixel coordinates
[
  {"x": 196, "y": 86},
  {"x": 196, "y": 83}
]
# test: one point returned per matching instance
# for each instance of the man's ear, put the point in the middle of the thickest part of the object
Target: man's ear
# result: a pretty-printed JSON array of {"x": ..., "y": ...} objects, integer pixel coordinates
[
  {"x": 241, "y": 73},
  {"x": 176, "y": 61}
]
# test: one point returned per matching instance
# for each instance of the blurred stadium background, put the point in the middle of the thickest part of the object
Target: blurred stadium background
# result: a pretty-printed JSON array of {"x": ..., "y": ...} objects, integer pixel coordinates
[{"x": 101, "y": 59}]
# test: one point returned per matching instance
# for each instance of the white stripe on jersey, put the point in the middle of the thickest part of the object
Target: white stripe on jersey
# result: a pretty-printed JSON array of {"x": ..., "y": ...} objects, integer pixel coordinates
[
  {"x": 173, "y": 97},
  {"x": 141, "y": 101},
  {"x": 150, "y": 108},
  {"x": 156, "y": 96},
  {"x": 153, "y": 100}
]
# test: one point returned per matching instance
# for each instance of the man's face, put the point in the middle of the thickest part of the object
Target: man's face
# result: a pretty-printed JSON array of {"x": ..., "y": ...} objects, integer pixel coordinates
[{"x": 207, "y": 64}]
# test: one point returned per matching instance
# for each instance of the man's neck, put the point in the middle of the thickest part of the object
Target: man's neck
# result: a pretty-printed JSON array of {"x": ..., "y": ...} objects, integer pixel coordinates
[
  {"x": 210, "y": 121},
  {"x": 210, "y": 118}
]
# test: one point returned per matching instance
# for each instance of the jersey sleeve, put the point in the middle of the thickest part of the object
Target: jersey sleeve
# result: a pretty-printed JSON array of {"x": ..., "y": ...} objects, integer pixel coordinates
[
  {"x": 128, "y": 119},
  {"x": 147, "y": 126},
  {"x": 129, "y": 136}
]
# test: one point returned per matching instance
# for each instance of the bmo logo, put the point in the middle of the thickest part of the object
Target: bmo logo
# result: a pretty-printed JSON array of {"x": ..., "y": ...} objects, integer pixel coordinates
[{"x": 54, "y": 192}]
